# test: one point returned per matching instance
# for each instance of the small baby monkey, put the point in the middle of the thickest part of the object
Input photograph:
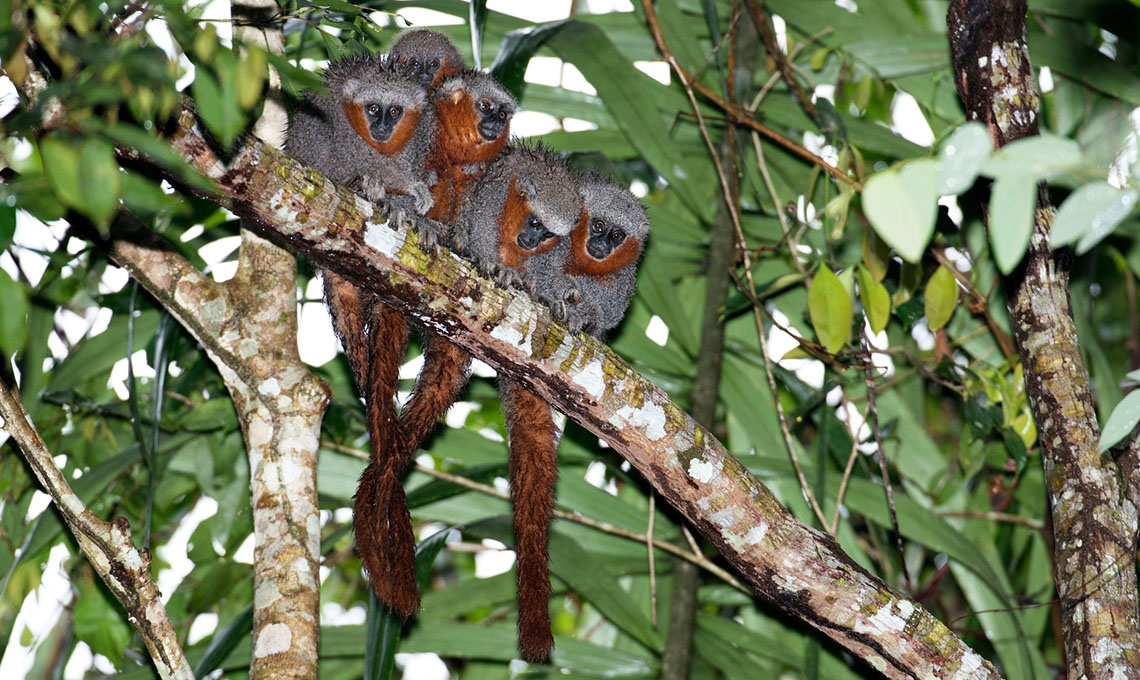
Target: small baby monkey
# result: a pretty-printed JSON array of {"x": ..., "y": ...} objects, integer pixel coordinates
[{"x": 372, "y": 132}]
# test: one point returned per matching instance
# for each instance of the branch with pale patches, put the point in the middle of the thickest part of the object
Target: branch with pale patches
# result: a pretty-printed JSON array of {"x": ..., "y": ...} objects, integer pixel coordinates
[
  {"x": 107, "y": 545},
  {"x": 801, "y": 570}
]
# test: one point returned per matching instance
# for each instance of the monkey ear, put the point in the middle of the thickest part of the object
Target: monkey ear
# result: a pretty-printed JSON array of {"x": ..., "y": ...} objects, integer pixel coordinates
[{"x": 530, "y": 187}]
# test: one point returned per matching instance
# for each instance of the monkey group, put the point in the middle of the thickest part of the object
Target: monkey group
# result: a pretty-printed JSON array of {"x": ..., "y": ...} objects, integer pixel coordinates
[{"x": 419, "y": 122}]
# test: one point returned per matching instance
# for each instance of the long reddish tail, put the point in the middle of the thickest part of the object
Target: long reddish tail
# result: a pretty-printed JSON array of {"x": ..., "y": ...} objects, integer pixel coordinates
[
  {"x": 444, "y": 374},
  {"x": 384, "y": 534},
  {"x": 534, "y": 469},
  {"x": 349, "y": 308}
]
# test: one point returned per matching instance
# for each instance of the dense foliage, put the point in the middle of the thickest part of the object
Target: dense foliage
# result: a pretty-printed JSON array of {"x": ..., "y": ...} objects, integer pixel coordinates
[{"x": 949, "y": 407}]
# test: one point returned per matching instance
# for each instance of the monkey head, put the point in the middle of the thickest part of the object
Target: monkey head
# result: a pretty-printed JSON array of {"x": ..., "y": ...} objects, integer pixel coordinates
[
  {"x": 427, "y": 56},
  {"x": 382, "y": 105},
  {"x": 524, "y": 204},
  {"x": 475, "y": 113},
  {"x": 613, "y": 234}
]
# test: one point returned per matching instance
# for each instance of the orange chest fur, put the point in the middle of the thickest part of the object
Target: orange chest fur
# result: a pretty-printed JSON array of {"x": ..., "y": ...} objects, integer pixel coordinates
[
  {"x": 458, "y": 140},
  {"x": 354, "y": 111}
]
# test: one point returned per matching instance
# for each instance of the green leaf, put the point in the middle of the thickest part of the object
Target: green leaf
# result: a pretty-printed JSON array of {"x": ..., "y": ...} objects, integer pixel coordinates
[
  {"x": 7, "y": 225},
  {"x": 876, "y": 300},
  {"x": 215, "y": 414},
  {"x": 830, "y": 309},
  {"x": 1041, "y": 156},
  {"x": 61, "y": 165},
  {"x": 99, "y": 623},
  {"x": 1122, "y": 421},
  {"x": 1012, "y": 201},
  {"x": 941, "y": 298},
  {"x": 101, "y": 181},
  {"x": 902, "y": 205},
  {"x": 876, "y": 255},
  {"x": 251, "y": 74},
  {"x": 962, "y": 156},
  {"x": 515, "y": 52},
  {"x": 477, "y": 20},
  {"x": 1089, "y": 214},
  {"x": 13, "y": 315},
  {"x": 217, "y": 104}
]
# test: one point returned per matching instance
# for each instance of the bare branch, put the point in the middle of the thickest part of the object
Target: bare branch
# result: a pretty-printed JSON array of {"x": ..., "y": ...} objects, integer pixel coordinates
[{"x": 107, "y": 545}]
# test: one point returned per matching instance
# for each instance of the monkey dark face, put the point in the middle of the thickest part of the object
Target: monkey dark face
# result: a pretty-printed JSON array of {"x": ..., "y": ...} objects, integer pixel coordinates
[
  {"x": 493, "y": 117},
  {"x": 603, "y": 238},
  {"x": 383, "y": 119},
  {"x": 533, "y": 234},
  {"x": 424, "y": 71}
]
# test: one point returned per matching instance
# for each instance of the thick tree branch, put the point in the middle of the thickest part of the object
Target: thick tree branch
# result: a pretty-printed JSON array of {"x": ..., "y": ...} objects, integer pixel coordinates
[
  {"x": 802, "y": 570},
  {"x": 107, "y": 545},
  {"x": 1094, "y": 521},
  {"x": 282, "y": 441}
]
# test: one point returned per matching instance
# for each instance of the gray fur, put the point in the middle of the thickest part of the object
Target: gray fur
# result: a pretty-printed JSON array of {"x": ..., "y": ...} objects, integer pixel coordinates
[
  {"x": 593, "y": 304},
  {"x": 551, "y": 191},
  {"x": 320, "y": 135},
  {"x": 415, "y": 50}
]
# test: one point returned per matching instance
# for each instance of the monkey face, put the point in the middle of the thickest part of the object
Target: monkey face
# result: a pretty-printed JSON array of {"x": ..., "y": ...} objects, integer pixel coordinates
[
  {"x": 382, "y": 119},
  {"x": 426, "y": 56},
  {"x": 493, "y": 118},
  {"x": 613, "y": 235},
  {"x": 603, "y": 238},
  {"x": 533, "y": 234}
]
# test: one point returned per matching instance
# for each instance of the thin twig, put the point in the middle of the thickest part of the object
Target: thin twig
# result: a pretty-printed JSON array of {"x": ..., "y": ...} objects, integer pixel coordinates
[
  {"x": 873, "y": 414},
  {"x": 739, "y": 115},
  {"x": 1034, "y": 524},
  {"x": 851, "y": 458},
  {"x": 652, "y": 561},
  {"x": 760, "y": 18}
]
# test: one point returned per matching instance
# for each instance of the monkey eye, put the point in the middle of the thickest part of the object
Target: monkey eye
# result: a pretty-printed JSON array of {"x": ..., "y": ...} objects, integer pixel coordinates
[
  {"x": 617, "y": 236},
  {"x": 484, "y": 105},
  {"x": 502, "y": 114},
  {"x": 597, "y": 227},
  {"x": 373, "y": 109},
  {"x": 434, "y": 64},
  {"x": 414, "y": 63},
  {"x": 533, "y": 221},
  {"x": 395, "y": 111}
]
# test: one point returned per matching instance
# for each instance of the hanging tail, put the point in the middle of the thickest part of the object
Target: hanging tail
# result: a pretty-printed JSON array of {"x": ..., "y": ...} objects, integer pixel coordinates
[{"x": 534, "y": 469}]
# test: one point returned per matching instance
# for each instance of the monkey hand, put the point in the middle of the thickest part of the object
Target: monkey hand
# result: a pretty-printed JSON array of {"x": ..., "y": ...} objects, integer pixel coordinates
[
  {"x": 421, "y": 192},
  {"x": 373, "y": 188},
  {"x": 430, "y": 233}
]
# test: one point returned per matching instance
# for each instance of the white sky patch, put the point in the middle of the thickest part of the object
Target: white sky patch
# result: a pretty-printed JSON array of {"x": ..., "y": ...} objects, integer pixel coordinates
[
  {"x": 811, "y": 371},
  {"x": 577, "y": 125},
  {"x": 657, "y": 331},
  {"x": 458, "y": 412},
  {"x": 538, "y": 12},
  {"x": 909, "y": 121},
  {"x": 953, "y": 210},
  {"x": 221, "y": 257},
  {"x": 493, "y": 561},
  {"x": 657, "y": 70},
  {"x": 824, "y": 92},
  {"x": 422, "y": 666},
  {"x": 572, "y": 79},
  {"x": 639, "y": 188},
  {"x": 204, "y": 624},
  {"x": 9, "y": 97},
  {"x": 533, "y": 124},
  {"x": 483, "y": 369},
  {"x": 418, "y": 16},
  {"x": 544, "y": 71},
  {"x": 1045, "y": 79},
  {"x": 922, "y": 335},
  {"x": 316, "y": 341}
]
